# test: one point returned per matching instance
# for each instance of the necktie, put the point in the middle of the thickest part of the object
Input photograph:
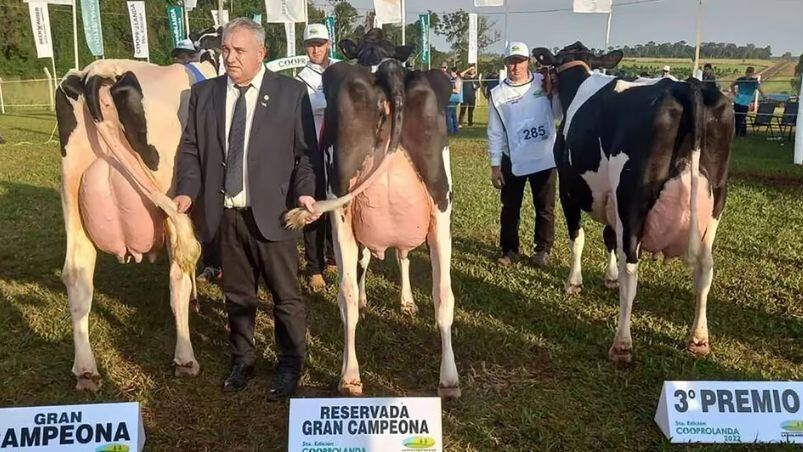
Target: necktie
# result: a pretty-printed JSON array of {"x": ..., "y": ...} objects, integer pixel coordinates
[{"x": 234, "y": 158}]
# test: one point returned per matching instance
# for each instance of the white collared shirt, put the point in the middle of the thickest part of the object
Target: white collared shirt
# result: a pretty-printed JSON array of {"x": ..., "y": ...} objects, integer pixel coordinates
[{"x": 232, "y": 93}]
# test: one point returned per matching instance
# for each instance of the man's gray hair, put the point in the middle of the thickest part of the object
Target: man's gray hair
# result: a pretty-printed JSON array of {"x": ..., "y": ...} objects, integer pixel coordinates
[{"x": 243, "y": 22}]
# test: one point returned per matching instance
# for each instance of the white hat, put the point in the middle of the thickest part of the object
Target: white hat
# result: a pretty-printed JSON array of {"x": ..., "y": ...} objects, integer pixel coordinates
[
  {"x": 186, "y": 44},
  {"x": 667, "y": 69},
  {"x": 516, "y": 48},
  {"x": 316, "y": 32}
]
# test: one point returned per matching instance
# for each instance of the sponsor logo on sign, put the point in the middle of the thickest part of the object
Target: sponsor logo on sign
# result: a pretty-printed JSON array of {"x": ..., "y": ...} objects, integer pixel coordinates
[
  {"x": 793, "y": 426},
  {"x": 112, "y": 448},
  {"x": 419, "y": 442}
]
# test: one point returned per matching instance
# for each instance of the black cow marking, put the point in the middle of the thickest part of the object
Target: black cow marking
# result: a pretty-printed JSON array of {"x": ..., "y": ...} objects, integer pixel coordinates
[
  {"x": 70, "y": 88},
  {"x": 127, "y": 95}
]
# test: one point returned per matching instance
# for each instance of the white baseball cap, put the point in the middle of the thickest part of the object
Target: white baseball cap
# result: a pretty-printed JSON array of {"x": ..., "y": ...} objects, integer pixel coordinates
[
  {"x": 667, "y": 69},
  {"x": 516, "y": 48},
  {"x": 186, "y": 44},
  {"x": 316, "y": 32}
]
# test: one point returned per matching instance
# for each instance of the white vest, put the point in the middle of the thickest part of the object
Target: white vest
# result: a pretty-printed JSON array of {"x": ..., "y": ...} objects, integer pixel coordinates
[
  {"x": 312, "y": 76},
  {"x": 529, "y": 125}
]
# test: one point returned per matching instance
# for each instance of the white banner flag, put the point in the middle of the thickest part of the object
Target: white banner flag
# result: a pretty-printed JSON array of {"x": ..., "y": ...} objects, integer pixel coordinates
[
  {"x": 290, "y": 32},
  {"x": 220, "y": 21},
  {"x": 40, "y": 23},
  {"x": 481, "y": 3},
  {"x": 592, "y": 6},
  {"x": 388, "y": 11},
  {"x": 278, "y": 11},
  {"x": 472, "y": 38},
  {"x": 189, "y": 5},
  {"x": 139, "y": 28}
]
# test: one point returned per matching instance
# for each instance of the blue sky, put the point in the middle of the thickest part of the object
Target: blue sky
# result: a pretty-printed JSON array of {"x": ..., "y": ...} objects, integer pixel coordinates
[{"x": 778, "y": 23}]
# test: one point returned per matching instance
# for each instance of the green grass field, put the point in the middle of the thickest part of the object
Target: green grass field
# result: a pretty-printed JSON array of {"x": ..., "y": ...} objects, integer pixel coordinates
[{"x": 533, "y": 362}]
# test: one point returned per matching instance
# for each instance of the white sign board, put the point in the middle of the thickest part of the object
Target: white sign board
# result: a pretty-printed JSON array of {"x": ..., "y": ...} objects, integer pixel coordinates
[
  {"x": 731, "y": 411},
  {"x": 222, "y": 19},
  {"x": 387, "y": 11},
  {"x": 40, "y": 23},
  {"x": 287, "y": 63},
  {"x": 482, "y": 3},
  {"x": 103, "y": 427},
  {"x": 139, "y": 28},
  {"x": 278, "y": 11},
  {"x": 403, "y": 424},
  {"x": 592, "y": 6},
  {"x": 472, "y": 38}
]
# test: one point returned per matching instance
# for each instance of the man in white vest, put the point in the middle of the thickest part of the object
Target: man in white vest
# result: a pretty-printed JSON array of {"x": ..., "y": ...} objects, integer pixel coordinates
[
  {"x": 317, "y": 236},
  {"x": 521, "y": 135}
]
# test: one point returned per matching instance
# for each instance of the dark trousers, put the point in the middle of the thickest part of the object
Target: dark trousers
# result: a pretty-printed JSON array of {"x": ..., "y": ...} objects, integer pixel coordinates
[
  {"x": 470, "y": 109},
  {"x": 542, "y": 185},
  {"x": 246, "y": 257},
  {"x": 740, "y": 111},
  {"x": 210, "y": 253},
  {"x": 318, "y": 248}
]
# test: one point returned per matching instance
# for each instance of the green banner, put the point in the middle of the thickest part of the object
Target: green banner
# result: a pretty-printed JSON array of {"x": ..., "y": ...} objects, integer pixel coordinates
[
  {"x": 423, "y": 19},
  {"x": 330, "y": 25},
  {"x": 175, "y": 20},
  {"x": 90, "y": 14}
]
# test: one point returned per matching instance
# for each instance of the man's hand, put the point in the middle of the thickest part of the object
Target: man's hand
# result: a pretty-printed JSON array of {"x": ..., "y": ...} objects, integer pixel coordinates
[
  {"x": 183, "y": 203},
  {"x": 496, "y": 177},
  {"x": 308, "y": 202}
]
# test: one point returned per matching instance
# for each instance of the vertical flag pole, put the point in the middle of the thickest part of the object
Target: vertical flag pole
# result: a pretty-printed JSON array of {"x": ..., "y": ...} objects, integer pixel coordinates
[
  {"x": 306, "y": 13},
  {"x": 799, "y": 130},
  {"x": 699, "y": 33},
  {"x": 186, "y": 22},
  {"x": 75, "y": 34},
  {"x": 55, "y": 79},
  {"x": 429, "y": 52},
  {"x": 404, "y": 32},
  {"x": 608, "y": 30}
]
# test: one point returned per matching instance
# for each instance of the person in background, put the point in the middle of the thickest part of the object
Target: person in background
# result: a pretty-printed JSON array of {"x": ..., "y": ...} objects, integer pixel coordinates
[
  {"x": 470, "y": 85},
  {"x": 451, "y": 112},
  {"x": 185, "y": 52},
  {"x": 708, "y": 74},
  {"x": 521, "y": 137},
  {"x": 744, "y": 91},
  {"x": 318, "y": 248},
  {"x": 666, "y": 72}
]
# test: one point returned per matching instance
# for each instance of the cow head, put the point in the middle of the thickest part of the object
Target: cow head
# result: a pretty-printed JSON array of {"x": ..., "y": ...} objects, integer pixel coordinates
[
  {"x": 578, "y": 53},
  {"x": 374, "y": 49},
  {"x": 207, "y": 42}
]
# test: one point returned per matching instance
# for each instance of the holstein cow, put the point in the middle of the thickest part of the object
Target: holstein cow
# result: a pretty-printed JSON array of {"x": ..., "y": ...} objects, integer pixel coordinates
[
  {"x": 120, "y": 122},
  {"x": 650, "y": 162},
  {"x": 388, "y": 184}
]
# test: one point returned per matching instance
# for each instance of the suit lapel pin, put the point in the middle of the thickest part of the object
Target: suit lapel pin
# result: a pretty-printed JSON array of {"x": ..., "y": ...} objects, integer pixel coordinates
[{"x": 264, "y": 102}]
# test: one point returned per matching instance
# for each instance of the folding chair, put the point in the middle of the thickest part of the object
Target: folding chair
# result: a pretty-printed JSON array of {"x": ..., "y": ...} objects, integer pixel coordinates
[
  {"x": 787, "y": 122},
  {"x": 764, "y": 118}
]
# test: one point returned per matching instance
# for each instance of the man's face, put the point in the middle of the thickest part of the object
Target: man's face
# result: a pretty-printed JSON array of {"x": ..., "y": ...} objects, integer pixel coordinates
[
  {"x": 445, "y": 69},
  {"x": 318, "y": 51},
  {"x": 242, "y": 55},
  {"x": 517, "y": 68}
]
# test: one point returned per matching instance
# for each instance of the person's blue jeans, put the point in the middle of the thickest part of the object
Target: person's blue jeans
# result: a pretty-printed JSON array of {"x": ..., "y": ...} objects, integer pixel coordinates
[{"x": 451, "y": 119}]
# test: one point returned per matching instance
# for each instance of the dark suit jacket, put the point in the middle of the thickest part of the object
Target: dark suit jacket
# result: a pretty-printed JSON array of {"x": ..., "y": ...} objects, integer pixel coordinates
[{"x": 282, "y": 154}]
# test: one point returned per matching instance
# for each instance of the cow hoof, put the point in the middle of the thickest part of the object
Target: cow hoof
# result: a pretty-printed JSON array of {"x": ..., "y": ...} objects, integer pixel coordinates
[
  {"x": 316, "y": 283},
  {"x": 350, "y": 388},
  {"x": 195, "y": 305},
  {"x": 410, "y": 309},
  {"x": 189, "y": 369},
  {"x": 452, "y": 393},
  {"x": 611, "y": 283},
  {"x": 88, "y": 382},
  {"x": 620, "y": 355},
  {"x": 699, "y": 347},
  {"x": 573, "y": 289}
]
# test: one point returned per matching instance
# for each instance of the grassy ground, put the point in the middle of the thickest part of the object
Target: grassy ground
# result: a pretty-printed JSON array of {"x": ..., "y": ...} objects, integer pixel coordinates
[{"x": 533, "y": 362}]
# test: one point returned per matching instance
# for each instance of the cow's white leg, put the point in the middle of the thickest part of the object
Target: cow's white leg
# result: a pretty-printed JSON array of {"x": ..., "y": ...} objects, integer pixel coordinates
[
  {"x": 180, "y": 291},
  {"x": 439, "y": 239},
  {"x": 574, "y": 284},
  {"x": 408, "y": 305},
  {"x": 365, "y": 259},
  {"x": 621, "y": 352},
  {"x": 703, "y": 276},
  {"x": 346, "y": 254},
  {"x": 611, "y": 278}
]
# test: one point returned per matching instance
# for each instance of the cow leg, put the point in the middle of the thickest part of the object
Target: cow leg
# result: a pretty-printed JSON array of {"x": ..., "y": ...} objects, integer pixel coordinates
[
  {"x": 362, "y": 271},
  {"x": 703, "y": 275},
  {"x": 439, "y": 239},
  {"x": 612, "y": 270},
  {"x": 180, "y": 292},
  {"x": 346, "y": 254},
  {"x": 408, "y": 306},
  {"x": 574, "y": 284},
  {"x": 621, "y": 352}
]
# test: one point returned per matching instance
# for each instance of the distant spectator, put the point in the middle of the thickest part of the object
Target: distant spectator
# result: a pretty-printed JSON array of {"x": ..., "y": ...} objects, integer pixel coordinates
[
  {"x": 666, "y": 72},
  {"x": 708, "y": 74},
  {"x": 489, "y": 82},
  {"x": 185, "y": 52},
  {"x": 454, "y": 101},
  {"x": 744, "y": 90},
  {"x": 470, "y": 86}
]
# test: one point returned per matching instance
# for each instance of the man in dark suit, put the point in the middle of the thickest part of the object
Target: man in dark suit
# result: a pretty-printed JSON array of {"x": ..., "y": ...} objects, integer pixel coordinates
[{"x": 247, "y": 155}]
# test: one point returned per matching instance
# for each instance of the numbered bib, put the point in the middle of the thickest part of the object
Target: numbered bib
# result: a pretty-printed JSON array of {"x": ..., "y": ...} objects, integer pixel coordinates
[{"x": 533, "y": 132}]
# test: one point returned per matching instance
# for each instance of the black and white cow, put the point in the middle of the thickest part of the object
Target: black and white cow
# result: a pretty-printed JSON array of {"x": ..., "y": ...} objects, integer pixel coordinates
[
  {"x": 650, "y": 162},
  {"x": 388, "y": 184}
]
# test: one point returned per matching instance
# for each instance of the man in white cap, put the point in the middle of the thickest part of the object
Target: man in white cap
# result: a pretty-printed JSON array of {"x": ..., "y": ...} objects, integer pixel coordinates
[
  {"x": 317, "y": 236},
  {"x": 185, "y": 52},
  {"x": 521, "y": 135},
  {"x": 666, "y": 72}
]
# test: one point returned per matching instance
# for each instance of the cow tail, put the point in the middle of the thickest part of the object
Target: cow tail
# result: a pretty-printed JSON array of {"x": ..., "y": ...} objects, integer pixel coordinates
[
  {"x": 697, "y": 124},
  {"x": 390, "y": 75}
]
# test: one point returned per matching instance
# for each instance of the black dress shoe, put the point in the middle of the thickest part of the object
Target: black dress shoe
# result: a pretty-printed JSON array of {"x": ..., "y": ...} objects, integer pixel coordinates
[
  {"x": 238, "y": 379},
  {"x": 284, "y": 385}
]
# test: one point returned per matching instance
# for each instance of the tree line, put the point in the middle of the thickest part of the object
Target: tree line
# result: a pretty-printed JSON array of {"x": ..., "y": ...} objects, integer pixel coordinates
[{"x": 682, "y": 49}]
